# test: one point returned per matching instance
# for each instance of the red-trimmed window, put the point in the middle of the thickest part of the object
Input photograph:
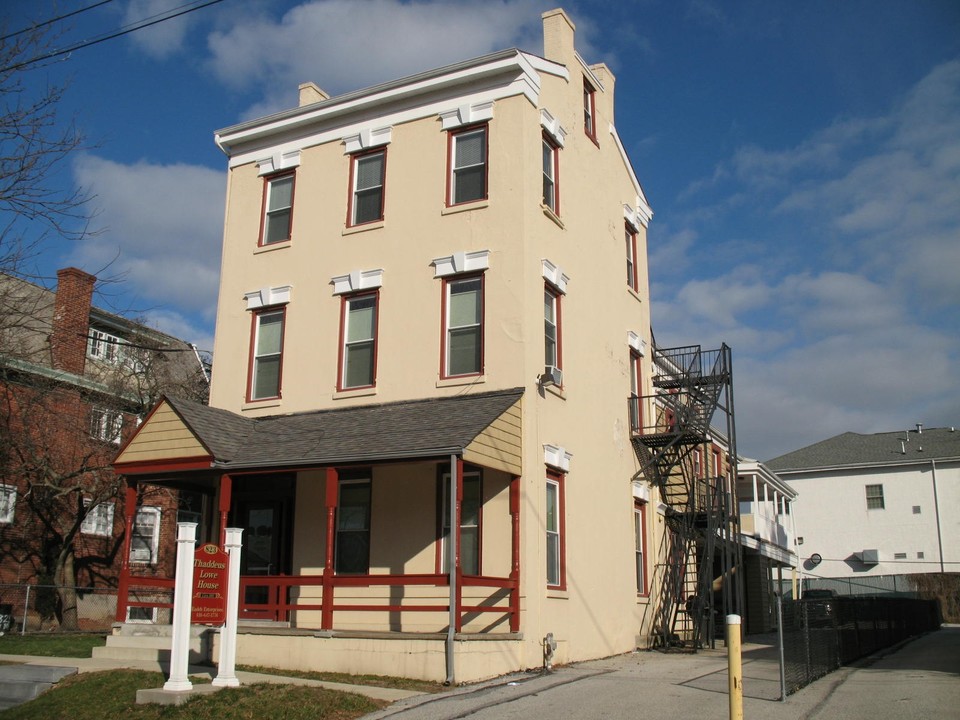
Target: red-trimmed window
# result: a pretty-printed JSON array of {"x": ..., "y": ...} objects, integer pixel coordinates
[
  {"x": 551, "y": 175},
  {"x": 471, "y": 516},
  {"x": 277, "y": 209},
  {"x": 358, "y": 341},
  {"x": 367, "y": 183},
  {"x": 698, "y": 462},
  {"x": 266, "y": 354},
  {"x": 639, "y": 533},
  {"x": 467, "y": 165},
  {"x": 589, "y": 110},
  {"x": 352, "y": 543},
  {"x": 556, "y": 542},
  {"x": 717, "y": 465},
  {"x": 632, "y": 273},
  {"x": 462, "y": 349},
  {"x": 636, "y": 406},
  {"x": 551, "y": 327}
]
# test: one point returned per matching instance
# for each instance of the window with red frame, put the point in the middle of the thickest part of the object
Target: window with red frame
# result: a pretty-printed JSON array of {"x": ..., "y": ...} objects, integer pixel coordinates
[
  {"x": 636, "y": 407},
  {"x": 551, "y": 173},
  {"x": 467, "y": 160},
  {"x": 471, "y": 510},
  {"x": 277, "y": 208},
  {"x": 358, "y": 350},
  {"x": 556, "y": 564},
  {"x": 589, "y": 110},
  {"x": 267, "y": 354},
  {"x": 631, "y": 242},
  {"x": 463, "y": 326},
  {"x": 551, "y": 327},
  {"x": 639, "y": 530},
  {"x": 368, "y": 174}
]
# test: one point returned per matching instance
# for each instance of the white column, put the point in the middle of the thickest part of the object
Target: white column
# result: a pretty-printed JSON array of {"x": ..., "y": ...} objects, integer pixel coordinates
[
  {"x": 226, "y": 672},
  {"x": 182, "y": 602}
]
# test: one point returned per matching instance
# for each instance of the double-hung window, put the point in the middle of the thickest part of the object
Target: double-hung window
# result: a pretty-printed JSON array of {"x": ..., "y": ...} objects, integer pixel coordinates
[
  {"x": 554, "y": 530},
  {"x": 636, "y": 408},
  {"x": 266, "y": 358},
  {"x": 368, "y": 172},
  {"x": 551, "y": 327},
  {"x": 358, "y": 352},
  {"x": 589, "y": 110},
  {"x": 470, "y": 511},
  {"x": 551, "y": 186},
  {"x": 8, "y": 503},
  {"x": 463, "y": 326},
  {"x": 277, "y": 209},
  {"x": 145, "y": 540},
  {"x": 352, "y": 543},
  {"x": 638, "y": 535},
  {"x": 98, "y": 519},
  {"x": 875, "y": 497},
  {"x": 468, "y": 165},
  {"x": 631, "y": 242},
  {"x": 105, "y": 425},
  {"x": 103, "y": 346}
]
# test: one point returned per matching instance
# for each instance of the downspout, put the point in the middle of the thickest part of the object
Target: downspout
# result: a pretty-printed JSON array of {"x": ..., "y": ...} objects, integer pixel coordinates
[
  {"x": 936, "y": 511},
  {"x": 452, "y": 539}
]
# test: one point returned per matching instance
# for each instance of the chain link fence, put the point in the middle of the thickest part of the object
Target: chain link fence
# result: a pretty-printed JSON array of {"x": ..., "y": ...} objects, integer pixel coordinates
[
  {"x": 820, "y": 635},
  {"x": 52, "y": 609}
]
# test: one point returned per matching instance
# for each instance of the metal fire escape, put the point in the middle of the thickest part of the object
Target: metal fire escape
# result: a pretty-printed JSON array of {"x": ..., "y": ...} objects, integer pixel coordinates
[{"x": 699, "y": 581}]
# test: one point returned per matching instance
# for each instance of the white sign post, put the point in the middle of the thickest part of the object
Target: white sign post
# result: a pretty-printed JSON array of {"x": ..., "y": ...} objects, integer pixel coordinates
[
  {"x": 226, "y": 673},
  {"x": 182, "y": 601}
]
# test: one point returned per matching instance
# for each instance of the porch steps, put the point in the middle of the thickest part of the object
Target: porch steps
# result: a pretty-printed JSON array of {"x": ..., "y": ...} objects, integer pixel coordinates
[
  {"x": 151, "y": 643},
  {"x": 20, "y": 683}
]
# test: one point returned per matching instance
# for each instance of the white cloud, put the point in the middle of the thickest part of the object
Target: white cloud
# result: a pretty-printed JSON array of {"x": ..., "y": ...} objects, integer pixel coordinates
[
  {"x": 159, "y": 229},
  {"x": 162, "y": 39},
  {"x": 344, "y": 44}
]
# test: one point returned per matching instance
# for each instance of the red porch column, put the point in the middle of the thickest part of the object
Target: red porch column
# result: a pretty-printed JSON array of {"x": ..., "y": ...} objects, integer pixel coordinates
[
  {"x": 458, "y": 566},
  {"x": 515, "y": 553},
  {"x": 326, "y": 612},
  {"x": 226, "y": 498},
  {"x": 123, "y": 584}
]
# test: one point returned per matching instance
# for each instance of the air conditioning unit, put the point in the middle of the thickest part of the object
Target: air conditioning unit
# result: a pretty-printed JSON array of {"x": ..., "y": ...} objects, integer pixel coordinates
[
  {"x": 870, "y": 557},
  {"x": 552, "y": 375}
]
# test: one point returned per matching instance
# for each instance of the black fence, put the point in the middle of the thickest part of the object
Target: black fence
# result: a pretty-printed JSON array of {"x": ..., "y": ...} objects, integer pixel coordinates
[{"x": 821, "y": 635}]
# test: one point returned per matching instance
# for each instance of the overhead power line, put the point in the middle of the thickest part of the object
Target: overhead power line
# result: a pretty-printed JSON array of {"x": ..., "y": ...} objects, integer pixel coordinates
[
  {"x": 57, "y": 19},
  {"x": 125, "y": 30}
]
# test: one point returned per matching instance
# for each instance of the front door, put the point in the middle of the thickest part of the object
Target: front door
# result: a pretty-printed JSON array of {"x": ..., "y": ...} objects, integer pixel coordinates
[{"x": 264, "y": 510}]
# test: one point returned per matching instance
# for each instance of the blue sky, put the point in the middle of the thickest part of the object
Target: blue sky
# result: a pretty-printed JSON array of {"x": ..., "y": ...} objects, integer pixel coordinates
[{"x": 802, "y": 161}]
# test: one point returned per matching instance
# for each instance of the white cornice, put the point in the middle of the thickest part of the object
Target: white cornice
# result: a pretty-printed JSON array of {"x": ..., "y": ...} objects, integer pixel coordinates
[
  {"x": 461, "y": 262},
  {"x": 552, "y": 127},
  {"x": 557, "y": 457},
  {"x": 367, "y": 138},
  {"x": 466, "y": 115},
  {"x": 637, "y": 343},
  {"x": 554, "y": 275},
  {"x": 278, "y": 162},
  {"x": 266, "y": 297},
  {"x": 357, "y": 280}
]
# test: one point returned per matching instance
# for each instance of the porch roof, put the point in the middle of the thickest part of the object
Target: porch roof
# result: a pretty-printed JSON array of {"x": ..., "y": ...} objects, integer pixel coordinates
[{"x": 484, "y": 425}]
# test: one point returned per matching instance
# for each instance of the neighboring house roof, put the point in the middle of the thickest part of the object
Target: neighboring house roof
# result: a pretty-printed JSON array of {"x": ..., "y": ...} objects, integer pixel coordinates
[
  {"x": 890, "y": 448},
  {"x": 433, "y": 427}
]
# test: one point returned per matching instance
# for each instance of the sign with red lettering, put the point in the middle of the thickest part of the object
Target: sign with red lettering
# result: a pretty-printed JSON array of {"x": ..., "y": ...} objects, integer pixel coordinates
[{"x": 210, "y": 565}]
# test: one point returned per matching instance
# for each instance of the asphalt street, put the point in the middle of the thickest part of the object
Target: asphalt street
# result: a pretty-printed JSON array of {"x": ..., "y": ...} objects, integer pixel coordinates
[{"x": 917, "y": 679}]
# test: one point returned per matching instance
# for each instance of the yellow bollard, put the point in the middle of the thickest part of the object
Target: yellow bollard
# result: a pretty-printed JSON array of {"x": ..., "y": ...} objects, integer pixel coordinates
[{"x": 734, "y": 667}]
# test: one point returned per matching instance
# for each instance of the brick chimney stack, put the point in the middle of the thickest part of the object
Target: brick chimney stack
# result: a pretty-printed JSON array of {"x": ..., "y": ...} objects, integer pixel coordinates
[{"x": 71, "y": 319}]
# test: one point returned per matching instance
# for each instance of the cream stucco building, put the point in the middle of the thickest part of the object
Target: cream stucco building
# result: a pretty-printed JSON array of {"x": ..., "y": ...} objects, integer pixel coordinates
[{"x": 436, "y": 283}]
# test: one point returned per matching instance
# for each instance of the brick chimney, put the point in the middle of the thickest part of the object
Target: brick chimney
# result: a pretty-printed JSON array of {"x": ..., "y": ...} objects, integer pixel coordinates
[{"x": 71, "y": 320}]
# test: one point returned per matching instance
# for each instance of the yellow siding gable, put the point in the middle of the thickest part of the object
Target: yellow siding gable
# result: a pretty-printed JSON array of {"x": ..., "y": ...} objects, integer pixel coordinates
[
  {"x": 499, "y": 445},
  {"x": 163, "y": 437}
]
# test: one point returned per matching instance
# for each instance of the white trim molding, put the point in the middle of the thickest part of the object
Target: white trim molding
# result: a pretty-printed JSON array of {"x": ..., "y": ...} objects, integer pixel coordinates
[
  {"x": 552, "y": 127},
  {"x": 637, "y": 343},
  {"x": 557, "y": 457},
  {"x": 366, "y": 139},
  {"x": 555, "y": 276},
  {"x": 466, "y": 115},
  {"x": 461, "y": 262},
  {"x": 357, "y": 280},
  {"x": 641, "y": 491},
  {"x": 277, "y": 162},
  {"x": 266, "y": 297}
]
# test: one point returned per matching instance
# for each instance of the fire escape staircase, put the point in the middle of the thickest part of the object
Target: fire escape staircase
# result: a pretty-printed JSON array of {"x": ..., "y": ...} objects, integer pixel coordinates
[{"x": 690, "y": 384}]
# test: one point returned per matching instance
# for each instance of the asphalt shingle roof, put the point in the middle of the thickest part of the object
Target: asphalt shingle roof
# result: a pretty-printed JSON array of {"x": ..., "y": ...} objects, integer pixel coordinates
[
  {"x": 409, "y": 429},
  {"x": 876, "y": 449}
]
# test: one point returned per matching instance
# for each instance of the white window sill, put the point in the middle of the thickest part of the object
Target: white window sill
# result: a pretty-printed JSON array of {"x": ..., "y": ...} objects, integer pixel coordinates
[
  {"x": 260, "y": 404},
  {"x": 282, "y": 245},
  {"x": 458, "y": 381},
  {"x": 634, "y": 293},
  {"x": 352, "y": 393},
  {"x": 554, "y": 390},
  {"x": 558, "y": 594},
  {"x": 365, "y": 227},
  {"x": 552, "y": 215},
  {"x": 464, "y": 207}
]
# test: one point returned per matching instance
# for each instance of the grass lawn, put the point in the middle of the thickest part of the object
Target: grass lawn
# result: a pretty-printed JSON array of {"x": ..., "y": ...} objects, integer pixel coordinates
[
  {"x": 112, "y": 694},
  {"x": 60, "y": 645}
]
